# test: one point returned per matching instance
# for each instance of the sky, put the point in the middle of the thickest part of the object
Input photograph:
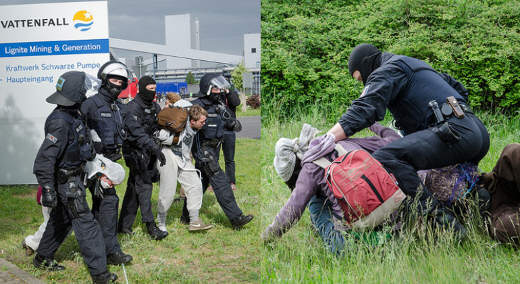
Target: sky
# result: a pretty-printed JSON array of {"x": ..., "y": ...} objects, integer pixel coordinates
[{"x": 222, "y": 22}]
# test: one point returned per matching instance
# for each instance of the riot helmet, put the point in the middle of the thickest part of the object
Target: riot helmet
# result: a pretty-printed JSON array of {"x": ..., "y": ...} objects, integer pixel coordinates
[
  {"x": 115, "y": 70},
  {"x": 71, "y": 88},
  {"x": 209, "y": 81}
]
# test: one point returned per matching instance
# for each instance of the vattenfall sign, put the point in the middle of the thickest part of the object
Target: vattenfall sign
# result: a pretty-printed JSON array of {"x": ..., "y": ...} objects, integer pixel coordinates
[
  {"x": 29, "y": 23},
  {"x": 80, "y": 30},
  {"x": 38, "y": 43}
]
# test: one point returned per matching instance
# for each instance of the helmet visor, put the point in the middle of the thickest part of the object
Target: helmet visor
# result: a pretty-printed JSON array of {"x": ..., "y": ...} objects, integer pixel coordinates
[
  {"x": 220, "y": 82},
  {"x": 92, "y": 85}
]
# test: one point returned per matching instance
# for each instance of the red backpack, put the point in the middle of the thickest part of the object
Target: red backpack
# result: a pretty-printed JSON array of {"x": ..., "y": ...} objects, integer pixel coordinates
[{"x": 366, "y": 192}]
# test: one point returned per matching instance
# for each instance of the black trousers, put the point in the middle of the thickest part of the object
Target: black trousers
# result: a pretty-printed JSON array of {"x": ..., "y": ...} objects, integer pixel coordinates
[
  {"x": 424, "y": 149},
  {"x": 138, "y": 194},
  {"x": 213, "y": 174},
  {"x": 228, "y": 147},
  {"x": 105, "y": 211},
  {"x": 74, "y": 213}
]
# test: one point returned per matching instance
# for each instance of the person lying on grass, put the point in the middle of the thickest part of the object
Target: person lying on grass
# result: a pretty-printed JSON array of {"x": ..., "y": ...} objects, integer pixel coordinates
[
  {"x": 293, "y": 163},
  {"x": 308, "y": 184}
]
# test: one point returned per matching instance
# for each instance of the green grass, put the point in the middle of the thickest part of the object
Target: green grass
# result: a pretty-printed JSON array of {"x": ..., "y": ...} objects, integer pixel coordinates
[
  {"x": 219, "y": 255},
  {"x": 300, "y": 256},
  {"x": 249, "y": 111}
]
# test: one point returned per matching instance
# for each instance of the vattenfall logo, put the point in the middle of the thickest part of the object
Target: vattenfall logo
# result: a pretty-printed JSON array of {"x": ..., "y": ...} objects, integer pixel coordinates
[{"x": 83, "y": 20}]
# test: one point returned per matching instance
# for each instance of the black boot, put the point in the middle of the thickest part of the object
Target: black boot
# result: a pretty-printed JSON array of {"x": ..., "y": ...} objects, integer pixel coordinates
[
  {"x": 239, "y": 222},
  {"x": 47, "y": 263},
  {"x": 154, "y": 232},
  {"x": 118, "y": 258},
  {"x": 103, "y": 278},
  {"x": 126, "y": 231}
]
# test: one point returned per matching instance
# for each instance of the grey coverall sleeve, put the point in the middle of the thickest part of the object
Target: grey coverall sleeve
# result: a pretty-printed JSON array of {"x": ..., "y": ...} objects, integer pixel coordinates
[
  {"x": 382, "y": 87},
  {"x": 52, "y": 148}
]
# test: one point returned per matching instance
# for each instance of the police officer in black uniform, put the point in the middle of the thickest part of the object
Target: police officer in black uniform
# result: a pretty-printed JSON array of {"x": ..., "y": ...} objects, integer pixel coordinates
[
  {"x": 432, "y": 111},
  {"x": 206, "y": 148},
  {"x": 232, "y": 100},
  {"x": 141, "y": 153},
  {"x": 103, "y": 115},
  {"x": 59, "y": 170}
]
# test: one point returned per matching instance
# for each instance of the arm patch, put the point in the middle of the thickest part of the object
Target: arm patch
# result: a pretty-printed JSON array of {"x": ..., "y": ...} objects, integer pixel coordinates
[
  {"x": 52, "y": 138},
  {"x": 365, "y": 90}
]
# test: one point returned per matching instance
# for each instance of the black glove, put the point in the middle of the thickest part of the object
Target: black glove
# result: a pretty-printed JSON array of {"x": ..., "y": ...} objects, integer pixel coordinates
[
  {"x": 233, "y": 124},
  {"x": 49, "y": 198},
  {"x": 237, "y": 126},
  {"x": 98, "y": 146},
  {"x": 160, "y": 156}
]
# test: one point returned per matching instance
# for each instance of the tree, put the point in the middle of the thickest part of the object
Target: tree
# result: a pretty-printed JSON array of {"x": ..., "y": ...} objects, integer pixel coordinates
[
  {"x": 236, "y": 76},
  {"x": 190, "y": 79},
  {"x": 236, "y": 79}
]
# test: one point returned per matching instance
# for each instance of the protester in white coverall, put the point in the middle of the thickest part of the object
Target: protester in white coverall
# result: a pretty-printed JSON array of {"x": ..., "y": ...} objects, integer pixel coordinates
[{"x": 179, "y": 167}]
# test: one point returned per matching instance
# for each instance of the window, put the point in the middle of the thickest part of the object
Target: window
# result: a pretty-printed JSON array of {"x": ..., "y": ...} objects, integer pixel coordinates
[{"x": 253, "y": 50}]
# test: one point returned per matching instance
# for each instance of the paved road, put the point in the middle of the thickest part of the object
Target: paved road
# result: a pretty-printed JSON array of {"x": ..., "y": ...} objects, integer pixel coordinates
[
  {"x": 250, "y": 127},
  {"x": 11, "y": 274}
]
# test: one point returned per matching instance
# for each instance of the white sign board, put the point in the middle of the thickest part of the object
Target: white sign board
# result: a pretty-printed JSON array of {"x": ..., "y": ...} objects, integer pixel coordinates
[{"x": 38, "y": 43}]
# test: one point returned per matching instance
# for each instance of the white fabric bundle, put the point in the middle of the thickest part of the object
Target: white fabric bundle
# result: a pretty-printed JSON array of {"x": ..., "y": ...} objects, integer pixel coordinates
[{"x": 286, "y": 151}]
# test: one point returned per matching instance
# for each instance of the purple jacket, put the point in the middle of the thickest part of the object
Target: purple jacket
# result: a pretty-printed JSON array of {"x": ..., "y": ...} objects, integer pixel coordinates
[{"x": 311, "y": 179}]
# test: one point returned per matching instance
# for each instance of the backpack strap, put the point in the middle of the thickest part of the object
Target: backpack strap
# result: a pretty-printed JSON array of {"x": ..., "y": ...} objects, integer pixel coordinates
[
  {"x": 340, "y": 149},
  {"x": 324, "y": 163}
]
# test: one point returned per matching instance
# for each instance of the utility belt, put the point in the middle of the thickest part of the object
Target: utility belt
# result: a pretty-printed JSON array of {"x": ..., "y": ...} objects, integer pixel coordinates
[
  {"x": 439, "y": 122},
  {"x": 211, "y": 143},
  {"x": 64, "y": 175},
  {"x": 450, "y": 108}
]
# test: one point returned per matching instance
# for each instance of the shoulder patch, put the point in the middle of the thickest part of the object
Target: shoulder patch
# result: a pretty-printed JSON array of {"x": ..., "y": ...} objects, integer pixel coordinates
[
  {"x": 52, "y": 138},
  {"x": 78, "y": 129},
  {"x": 365, "y": 90}
]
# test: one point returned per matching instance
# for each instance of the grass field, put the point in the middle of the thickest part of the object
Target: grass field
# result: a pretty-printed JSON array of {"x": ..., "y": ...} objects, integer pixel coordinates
[
  {"x": 300, "y": 256},
  {"x": 220, "y": 255},
  {"x": 249, "y": 111}
]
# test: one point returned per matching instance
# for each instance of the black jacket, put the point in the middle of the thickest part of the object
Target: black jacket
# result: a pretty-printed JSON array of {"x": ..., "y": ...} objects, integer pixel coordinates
[
  {"x": 103, "y": 115},
  {"x": 66, "y": 145},
  {"x": 405, "y": 86},
  {"x": 140, "y": 122}
]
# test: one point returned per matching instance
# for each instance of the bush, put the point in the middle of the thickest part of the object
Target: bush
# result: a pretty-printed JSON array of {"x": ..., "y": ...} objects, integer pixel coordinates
[
  {"x": 306, "y": 44},
  {"x": 253, "y": 101}
]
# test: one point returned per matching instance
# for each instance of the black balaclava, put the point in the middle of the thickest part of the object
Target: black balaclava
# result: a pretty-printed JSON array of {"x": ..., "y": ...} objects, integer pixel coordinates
[
  {"x": 145, "y": 94},
  {"x": 365, "y": 58},
  {"x": 114, "y": 90}
]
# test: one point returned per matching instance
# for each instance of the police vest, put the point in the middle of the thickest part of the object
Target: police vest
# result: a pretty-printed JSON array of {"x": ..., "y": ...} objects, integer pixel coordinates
[
  {"x": 108, "y": 124},
  {"x": 79, "y": 149},
  {"x": 410, "y": 107},
  {"x": 147, "y": 115},
  {"x": 214, "y": 127}
]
